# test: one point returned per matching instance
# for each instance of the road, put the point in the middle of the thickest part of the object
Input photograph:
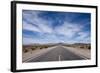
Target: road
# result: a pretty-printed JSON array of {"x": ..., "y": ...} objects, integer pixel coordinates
[{"x": 58, "y": 53}]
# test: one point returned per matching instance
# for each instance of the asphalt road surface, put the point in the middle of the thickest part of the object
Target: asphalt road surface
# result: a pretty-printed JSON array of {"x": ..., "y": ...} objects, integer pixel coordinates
[{"x": 57, "y": 54}]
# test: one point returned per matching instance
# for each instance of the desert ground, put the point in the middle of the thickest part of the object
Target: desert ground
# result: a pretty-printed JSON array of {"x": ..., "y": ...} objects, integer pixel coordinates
[{"x": 55, "y": 52}]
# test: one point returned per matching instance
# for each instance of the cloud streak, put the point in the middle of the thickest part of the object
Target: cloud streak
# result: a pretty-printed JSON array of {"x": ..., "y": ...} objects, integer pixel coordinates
[{"x": 55, "y": 27}]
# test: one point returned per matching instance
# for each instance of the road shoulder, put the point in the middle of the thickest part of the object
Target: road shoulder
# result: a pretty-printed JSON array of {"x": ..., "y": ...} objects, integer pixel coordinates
[
  {"x": 85, "y": 53},
  {"x": 36, "y": 53}
]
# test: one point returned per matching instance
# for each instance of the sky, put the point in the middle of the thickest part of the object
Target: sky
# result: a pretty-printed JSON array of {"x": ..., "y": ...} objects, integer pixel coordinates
[{"x": 55, "y": 27}]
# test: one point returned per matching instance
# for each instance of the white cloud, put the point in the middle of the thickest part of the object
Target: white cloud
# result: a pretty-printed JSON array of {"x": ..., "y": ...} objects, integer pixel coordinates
[
  {"x": 68, "y": 29},
  {"x": 31, "y": 27},
  {"x": 84, "y": 37},
  {"x": 28, "y": 40},
  {"x": 42, "y": 25}
]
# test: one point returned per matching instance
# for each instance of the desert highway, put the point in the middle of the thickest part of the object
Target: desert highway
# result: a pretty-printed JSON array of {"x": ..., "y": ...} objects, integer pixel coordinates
[{"x": 58, "y": 53}]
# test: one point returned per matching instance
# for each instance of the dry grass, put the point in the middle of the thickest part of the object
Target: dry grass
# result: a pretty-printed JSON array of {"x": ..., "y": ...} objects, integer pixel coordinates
[
  {"x": 80, "y": 45},
  {"x": 34, "y": 47},
  {"x": 28, "y": 48}
]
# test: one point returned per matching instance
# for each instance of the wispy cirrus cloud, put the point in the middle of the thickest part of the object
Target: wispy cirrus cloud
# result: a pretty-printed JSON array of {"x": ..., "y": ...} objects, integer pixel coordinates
[
  {"x": 31, "y": 19},
  {"x": 68, "y": 29},
  {"x": 55, "y": 27}
]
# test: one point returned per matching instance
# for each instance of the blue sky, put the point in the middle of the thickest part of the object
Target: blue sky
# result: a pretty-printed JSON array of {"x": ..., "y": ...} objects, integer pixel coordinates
[{"x": 55, "y": 27}]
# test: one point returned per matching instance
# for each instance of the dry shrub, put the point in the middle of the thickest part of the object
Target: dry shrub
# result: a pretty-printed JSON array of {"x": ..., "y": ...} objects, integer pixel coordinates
[{"x": 25, "y": 50}]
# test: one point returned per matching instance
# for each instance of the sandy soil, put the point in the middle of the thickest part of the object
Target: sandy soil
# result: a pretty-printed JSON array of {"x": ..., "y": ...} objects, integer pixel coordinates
[{"x": 33, "y": 54}]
